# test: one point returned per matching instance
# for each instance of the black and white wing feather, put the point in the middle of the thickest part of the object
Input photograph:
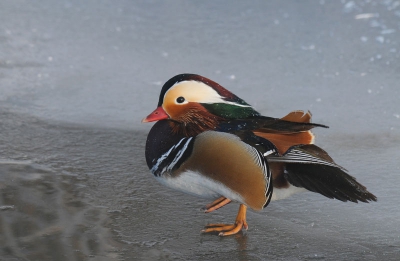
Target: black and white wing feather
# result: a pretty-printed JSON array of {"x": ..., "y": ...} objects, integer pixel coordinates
[{"x": 310, "y": 167}]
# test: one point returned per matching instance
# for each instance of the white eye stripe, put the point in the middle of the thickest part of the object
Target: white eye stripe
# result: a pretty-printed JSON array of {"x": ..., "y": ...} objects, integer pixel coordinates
[{"x": 195, "y": 91}]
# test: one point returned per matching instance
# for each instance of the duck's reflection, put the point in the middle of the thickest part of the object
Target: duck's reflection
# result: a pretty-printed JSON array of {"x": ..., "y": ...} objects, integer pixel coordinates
[{"x": 241, "y": 240}]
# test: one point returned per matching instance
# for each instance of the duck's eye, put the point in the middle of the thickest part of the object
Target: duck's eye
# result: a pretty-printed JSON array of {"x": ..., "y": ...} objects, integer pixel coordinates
[{"x": 180, "y": 99}]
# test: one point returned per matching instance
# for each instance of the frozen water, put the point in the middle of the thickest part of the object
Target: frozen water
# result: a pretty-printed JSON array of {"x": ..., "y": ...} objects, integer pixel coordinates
[
  {"x": 380, "y": 39},
  {"x": 350, "y": 6},
  {"x": 76, "y": 78},
  {"x": 388, "y": 31}
]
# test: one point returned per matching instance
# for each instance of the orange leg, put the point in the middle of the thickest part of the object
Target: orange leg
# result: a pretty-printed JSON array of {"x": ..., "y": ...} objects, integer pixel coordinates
[
  {"x": 219, "y": 203},
  {"x": 230, "y": 229}
]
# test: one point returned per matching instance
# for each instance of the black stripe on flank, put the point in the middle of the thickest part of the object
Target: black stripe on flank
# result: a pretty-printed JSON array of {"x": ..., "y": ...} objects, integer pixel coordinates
[
  {"x": 268, "y": 178},
  {"x": 269, "y": 196}
]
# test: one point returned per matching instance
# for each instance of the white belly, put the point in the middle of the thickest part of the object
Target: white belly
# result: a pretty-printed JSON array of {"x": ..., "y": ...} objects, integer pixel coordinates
[
  {"x": 192, "y": 182},
  {"x": 283, "y": 193}
]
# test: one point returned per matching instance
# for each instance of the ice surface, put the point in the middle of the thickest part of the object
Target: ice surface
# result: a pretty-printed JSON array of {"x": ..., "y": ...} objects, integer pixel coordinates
[{"x": 101, "y": 64}]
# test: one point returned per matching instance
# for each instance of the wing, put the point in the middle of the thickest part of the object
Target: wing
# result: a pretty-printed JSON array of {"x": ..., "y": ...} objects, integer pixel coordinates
[{"x": 311, "y": 167}]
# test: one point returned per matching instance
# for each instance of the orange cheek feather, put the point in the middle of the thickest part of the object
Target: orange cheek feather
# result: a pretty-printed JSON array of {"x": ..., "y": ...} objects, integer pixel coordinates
[
  {"x": 176, "y": 111},
  {"x": 172, "y": 109}
]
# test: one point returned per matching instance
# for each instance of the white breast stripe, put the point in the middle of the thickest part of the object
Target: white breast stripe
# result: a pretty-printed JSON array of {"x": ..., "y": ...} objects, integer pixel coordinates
[
  {"x": 164, "y": 156},
  {"x": 179, "y": 155}
]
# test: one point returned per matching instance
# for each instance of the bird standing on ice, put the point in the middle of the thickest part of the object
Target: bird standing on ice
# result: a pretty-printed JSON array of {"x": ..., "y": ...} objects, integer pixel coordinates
[{"x": 210, "y": 143}]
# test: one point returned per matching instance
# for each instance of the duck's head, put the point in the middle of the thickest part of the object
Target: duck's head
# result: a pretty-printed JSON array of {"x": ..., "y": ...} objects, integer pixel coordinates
[{"x": 192, "y": 100}]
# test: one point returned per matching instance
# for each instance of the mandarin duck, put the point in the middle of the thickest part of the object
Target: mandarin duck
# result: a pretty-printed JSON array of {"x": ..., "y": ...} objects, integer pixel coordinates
[{"x": 210, "y": 143}]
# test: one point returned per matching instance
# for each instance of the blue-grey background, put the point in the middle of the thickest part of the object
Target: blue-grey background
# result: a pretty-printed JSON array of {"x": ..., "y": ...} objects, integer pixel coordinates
[{"x": 77, "y": 77}]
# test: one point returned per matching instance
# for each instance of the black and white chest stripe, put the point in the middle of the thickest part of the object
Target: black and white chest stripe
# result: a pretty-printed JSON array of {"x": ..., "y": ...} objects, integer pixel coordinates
[{"x": 173, "y": 158}]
